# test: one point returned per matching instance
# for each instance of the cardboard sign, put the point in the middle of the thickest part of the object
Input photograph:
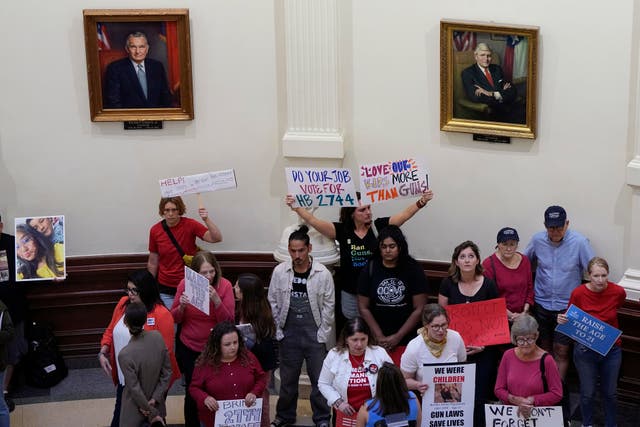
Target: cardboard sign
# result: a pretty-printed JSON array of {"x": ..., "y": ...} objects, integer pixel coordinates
[
  {"x": 234, "y": 413},
  {"x": 313, "y": 187},
  {"x": 196, "y": 287},
  {"x": 450, "y": 398},
  {"x": 481, "y": 323},
  {"x": 40, "y": 248},
  {"x": 399, "y": 179},
  {"x": 589, "y": 331},
  {"x": 507, "y": 416},
  {"x": 200, "y": 183}
]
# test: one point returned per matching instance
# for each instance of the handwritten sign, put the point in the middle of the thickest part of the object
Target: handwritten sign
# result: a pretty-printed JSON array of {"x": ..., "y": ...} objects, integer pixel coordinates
[
  {"x": 200, "y": 183},
  {"x": 234, "y": 413},
  {"x": 481, "y": 323},
  {"x": 314, "y": 187},
  {"x": 196, "y": 287},
  {"x": 400, "y": 179},
  {"x": 449, "y": 400},
  {"x": 589, "y": 331},
  {"x": 507, "y": 416}
]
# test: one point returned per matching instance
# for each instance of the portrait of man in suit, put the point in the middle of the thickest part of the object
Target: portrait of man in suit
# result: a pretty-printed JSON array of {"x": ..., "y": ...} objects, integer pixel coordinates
[
  {"x": 485, "y": 83},
  {"x": 136, "y": 81}
]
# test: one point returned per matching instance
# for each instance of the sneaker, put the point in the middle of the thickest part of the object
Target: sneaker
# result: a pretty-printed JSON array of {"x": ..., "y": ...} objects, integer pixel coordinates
[
  {"x": 323, "y": 424},
  {"x": 279, "y": 423}
]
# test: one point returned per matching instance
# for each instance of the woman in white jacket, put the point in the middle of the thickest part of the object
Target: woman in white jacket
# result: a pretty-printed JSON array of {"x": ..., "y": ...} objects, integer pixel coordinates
[{"x": 349, "y": 372}]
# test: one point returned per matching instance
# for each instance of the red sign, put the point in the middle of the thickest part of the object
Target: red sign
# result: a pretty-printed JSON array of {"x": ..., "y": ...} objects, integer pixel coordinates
[{"x": 481, "y": 323}]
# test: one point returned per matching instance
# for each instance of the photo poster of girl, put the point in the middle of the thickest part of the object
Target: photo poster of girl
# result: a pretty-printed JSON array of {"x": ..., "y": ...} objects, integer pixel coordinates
[{"x": 40, "y": 251}]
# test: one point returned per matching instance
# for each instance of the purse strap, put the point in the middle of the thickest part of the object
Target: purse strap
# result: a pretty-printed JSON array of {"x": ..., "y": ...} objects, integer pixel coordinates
[
  {"x": 172, "y": 237},
  {"x": 545, "y": 386}
]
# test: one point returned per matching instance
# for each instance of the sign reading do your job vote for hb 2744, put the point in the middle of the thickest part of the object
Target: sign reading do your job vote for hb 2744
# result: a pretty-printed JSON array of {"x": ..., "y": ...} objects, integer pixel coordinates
[{"x": 313, "y": 187}]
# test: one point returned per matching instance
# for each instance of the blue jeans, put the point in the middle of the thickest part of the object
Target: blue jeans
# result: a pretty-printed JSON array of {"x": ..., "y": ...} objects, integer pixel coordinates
[
  {"x": 591, "y": 365},
  {"x": 4, "y": 409}
]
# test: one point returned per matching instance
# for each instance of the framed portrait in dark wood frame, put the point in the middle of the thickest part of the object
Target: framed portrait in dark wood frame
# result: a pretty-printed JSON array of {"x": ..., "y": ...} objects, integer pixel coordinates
[
  {"x": 488, "y": 78},
  {"x": 138, "y": 64}
]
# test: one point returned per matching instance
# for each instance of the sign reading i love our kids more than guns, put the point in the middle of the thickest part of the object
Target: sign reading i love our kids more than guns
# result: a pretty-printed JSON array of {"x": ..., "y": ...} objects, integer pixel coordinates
[
  {"x": 313, "y": 187},
  {"x": 234, "y": 413},
  {"x": 589, "y": 331},
  {"x": 200, "y": 183},
  {"x": 507, "y": 416},
  {"x": 400, "y": 179},
  {"x": 481, "y": 323}
]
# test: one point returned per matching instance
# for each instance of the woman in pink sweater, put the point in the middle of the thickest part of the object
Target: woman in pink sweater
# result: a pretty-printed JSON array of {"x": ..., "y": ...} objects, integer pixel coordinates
[
  {"x": 195, "y": 325},
  {"x": 527, "y": 376}
]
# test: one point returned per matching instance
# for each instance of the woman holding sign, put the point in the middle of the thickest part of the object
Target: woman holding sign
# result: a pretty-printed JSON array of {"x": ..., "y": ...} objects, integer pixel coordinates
[
  {"x": 466, "y": 284},
  {"x": 527, "y": 376},
  {"x": 195, "y": 324},
  {"x": 173, "y": 240},
  {"x": 601, "y": 299},
  {"x": 355, "y": 234},
  {"x": 225, "y": 370},
  {"x": 435, "y": 343}
]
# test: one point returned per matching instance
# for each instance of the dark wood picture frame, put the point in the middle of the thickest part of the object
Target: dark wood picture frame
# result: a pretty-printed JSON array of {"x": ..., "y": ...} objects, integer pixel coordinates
[
  {"x": 460, "y": 111},
  {"x": 168, "y": 35}
]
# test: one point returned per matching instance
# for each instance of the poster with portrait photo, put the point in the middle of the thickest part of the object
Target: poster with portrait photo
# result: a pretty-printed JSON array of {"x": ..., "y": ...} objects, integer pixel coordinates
[
  {"x": 449, "y": 399},
  {"x": 40, "y": 252}
]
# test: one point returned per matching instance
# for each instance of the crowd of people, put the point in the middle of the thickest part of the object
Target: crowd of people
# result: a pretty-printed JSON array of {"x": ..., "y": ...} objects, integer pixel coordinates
[{"x": 372, "y": 374}]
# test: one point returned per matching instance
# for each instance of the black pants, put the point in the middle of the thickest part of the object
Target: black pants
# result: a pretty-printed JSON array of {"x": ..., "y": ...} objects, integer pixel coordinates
[{"x": 186, "y": 361}]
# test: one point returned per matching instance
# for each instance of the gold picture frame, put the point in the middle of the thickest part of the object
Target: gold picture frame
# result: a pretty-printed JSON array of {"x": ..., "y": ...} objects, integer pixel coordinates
[
  {"x": 112, "y": 95},
  {"x": 509, "y": 108}
]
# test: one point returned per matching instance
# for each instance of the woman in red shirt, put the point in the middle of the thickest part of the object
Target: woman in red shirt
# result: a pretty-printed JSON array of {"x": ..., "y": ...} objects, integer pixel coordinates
[{"x": 601, "y": 299}]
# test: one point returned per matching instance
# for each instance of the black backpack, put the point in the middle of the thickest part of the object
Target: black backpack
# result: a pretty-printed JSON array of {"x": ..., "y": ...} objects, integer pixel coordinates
[{"x": 45, "y": 366}]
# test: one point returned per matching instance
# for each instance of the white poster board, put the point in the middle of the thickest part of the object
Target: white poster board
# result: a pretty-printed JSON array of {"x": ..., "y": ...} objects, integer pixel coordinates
[
  {"x": 196, "y": 287},
  {"x": 507, "y": 416},
  {"x": 200, "y": 183},
  {"x": 450, "y": 398},
  {"x": 234, "y": 413},
  {"x": 315, "y": 187},
  {"x": 392, "y": 180}
]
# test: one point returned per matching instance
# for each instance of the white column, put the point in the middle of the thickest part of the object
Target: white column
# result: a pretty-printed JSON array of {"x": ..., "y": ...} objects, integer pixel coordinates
[
  {"x": 631, "y": 278},
  {"x": 313, "y": 122}
]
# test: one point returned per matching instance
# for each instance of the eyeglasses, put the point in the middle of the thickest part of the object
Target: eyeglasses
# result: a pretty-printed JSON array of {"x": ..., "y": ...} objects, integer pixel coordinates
[
  {"x": 439, "y": 327},
  {"x": 525, "y": 341},
  {"x": 132, "y": 291}
]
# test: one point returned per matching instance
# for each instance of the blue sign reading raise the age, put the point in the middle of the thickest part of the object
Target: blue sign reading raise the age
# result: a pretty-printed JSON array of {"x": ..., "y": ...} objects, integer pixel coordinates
[{"x": 589, "y": 331}]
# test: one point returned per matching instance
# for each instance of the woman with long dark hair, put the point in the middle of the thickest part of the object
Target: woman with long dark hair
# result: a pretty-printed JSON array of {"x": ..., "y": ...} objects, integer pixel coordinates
[
  {"x": 467, "y": 284},
  {"x": 224, "y": 357},
  {"x": 255, "y": 317},
  {"x": 350, "y": 370},
  {"x": 354, "y": 231},
  {"x": 393, "y": 402},
  {"x": 141, "y": 288},
  {"x": 195, "y": 324},
  {"x": 38, "y": 256},
  {"x": 392, "y": 289}
]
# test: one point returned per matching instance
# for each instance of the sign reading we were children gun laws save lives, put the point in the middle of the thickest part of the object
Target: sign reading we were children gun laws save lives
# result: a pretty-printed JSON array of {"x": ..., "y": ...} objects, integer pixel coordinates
[
  {"x": 313, "y": 187},
  {"x": 200, "y": 183},
  {"x": 393, "y": 180}
]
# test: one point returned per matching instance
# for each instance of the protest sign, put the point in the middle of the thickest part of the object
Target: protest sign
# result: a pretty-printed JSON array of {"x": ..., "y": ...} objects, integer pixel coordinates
[
  {"x": 380, "y": 182},
  {"x": 589, "y": 331},
  {"x": 40, "y": 248},
  {"x": 313, "y": 187},
  {"x": 234, "y": 413},
  {"x": 196, "y": 287},
  {"x": 481, "y": 323},
  {"x": 507, "y": 416},
  {"x": 449, "y": 399},
  {"x": 200, "y": 183}
]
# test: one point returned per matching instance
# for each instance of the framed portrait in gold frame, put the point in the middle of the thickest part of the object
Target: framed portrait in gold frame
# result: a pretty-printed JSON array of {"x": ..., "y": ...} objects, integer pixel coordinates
[
  {"x": 138, "y": 64},
  {"x": 488, "y": 78}
]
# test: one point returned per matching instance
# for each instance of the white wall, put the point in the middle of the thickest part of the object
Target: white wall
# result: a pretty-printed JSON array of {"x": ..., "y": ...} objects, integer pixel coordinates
[{"x": 53, "y": 159}]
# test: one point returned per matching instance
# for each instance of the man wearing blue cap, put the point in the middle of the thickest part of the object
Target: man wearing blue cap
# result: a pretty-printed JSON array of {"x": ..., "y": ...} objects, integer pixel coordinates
[{"x": 561, "y": 256}]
